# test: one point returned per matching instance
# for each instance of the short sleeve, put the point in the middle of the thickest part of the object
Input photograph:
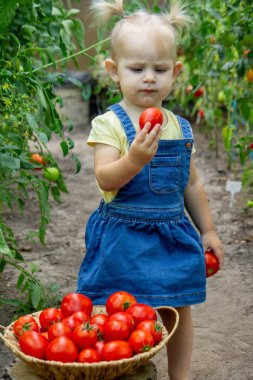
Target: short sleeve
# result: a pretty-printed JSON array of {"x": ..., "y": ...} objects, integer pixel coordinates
[{"x": 107, "y": 129}]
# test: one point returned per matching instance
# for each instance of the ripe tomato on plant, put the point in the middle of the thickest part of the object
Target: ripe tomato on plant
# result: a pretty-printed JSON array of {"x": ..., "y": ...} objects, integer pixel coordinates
[
  {"x": 119, "y": 301},
  {"x": 140, "y": 312},
  {"x": 124, "y": 317},
  {"x": 89, "y": 355},
  {"x": 59, "y": 329},
  {"x": 25, "y": 323},
  {"x": 62, "y": 349},
  {"x": 34, "y": 344},
  {"x": 75, "y": 302},
  {"x": 84, "y": 336},
  {"x": 38, "y": 159},
  {"x": 153, "y": 327},
  {"x": 152, "y": 115},
  {"x": 212, "y": 263},
  {"x": 50, "y": 316},
  {"x": 141, "y": 341},
  {"x": 116, "y": 350},
  {"x": 249, "y": 75},
  {"x": 199, "y": 92},
  {"x": 115, "y": 330}
]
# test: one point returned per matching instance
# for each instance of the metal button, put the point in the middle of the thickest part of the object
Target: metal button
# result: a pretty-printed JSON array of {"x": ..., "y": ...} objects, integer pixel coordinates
[{"x": 188, "y": 145}]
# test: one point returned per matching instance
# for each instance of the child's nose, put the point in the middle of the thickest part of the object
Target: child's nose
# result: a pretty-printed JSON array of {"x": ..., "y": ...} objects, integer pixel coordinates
[{"x": 150, "y": 76}]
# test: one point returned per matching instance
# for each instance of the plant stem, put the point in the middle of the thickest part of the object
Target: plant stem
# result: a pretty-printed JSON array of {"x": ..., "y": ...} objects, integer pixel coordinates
[{"x": 72, "y": 55}]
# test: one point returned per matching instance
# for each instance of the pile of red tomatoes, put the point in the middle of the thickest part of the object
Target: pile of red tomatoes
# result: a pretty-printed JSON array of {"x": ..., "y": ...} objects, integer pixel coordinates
[{"x": 73, "y": 333}]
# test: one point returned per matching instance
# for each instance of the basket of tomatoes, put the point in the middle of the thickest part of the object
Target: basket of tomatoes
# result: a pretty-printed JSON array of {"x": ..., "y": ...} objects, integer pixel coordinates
[{"x": 83, "y": 341}]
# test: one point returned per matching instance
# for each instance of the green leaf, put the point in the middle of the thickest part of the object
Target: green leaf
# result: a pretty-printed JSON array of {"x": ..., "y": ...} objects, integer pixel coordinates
[
  {"x": 73, "y": 12},
  {"x": 2, "y": 264},
  {"x": 4, "y": 248},
  {"x": 78, "y": 31},
  {"x": 65, "y": 148},
  {"x": 31, "y": 121},
  {"x": 20, "y": 281},
  {"x": 36, "y": 295},
  {"x": 9, "y": 162},
  {"x": 7, "y": 13},
  {"x": 77, "y": 162},
  {"x": 41, "y": 97},
  {"x": 43, "y": 137}
]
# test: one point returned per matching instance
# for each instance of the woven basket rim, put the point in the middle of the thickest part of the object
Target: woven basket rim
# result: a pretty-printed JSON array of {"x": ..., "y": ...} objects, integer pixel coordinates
[{"x": 11, "y": 342}]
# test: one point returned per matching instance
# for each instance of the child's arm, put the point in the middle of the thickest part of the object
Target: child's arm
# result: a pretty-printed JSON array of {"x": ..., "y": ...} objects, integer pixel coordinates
[
  {"x": 113, "y": 172},
  {"x": 196, "y": 204}
]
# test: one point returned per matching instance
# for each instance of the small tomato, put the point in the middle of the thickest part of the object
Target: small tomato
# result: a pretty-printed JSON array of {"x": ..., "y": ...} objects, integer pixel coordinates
[
  {"x": 25, "y": 323},
  {"x": 62, "y": 349},
  {"x": 212, "y": 263},
  {"x": 141, "y": 341},
  {"x": 34, "y": 344},
  {"x": 89, "y": 355},
  {"x": 151, "y": 115},
  {"x": 52, "y": 174}
]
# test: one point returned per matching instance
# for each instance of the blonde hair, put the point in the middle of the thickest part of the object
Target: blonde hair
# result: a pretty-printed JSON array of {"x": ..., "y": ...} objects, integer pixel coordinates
[{"x": 175, "y": 19}]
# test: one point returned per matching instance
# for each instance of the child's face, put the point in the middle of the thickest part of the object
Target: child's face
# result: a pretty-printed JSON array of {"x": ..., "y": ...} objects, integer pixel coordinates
[{"x": 144, "y": 67}]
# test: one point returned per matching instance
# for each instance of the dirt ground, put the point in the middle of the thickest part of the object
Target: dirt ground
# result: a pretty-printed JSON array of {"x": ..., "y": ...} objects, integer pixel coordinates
[{"x": 223, "y": 347}]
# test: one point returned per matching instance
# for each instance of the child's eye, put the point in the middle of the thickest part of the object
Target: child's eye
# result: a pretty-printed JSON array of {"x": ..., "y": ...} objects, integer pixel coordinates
[
  {"x": 136, "y": 69},
  {"x": 161, "y": 70}
]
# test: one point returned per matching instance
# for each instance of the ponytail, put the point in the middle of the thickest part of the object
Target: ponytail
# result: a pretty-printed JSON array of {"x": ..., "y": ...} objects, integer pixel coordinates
[
  {"x": 104, "y": 10},
  {"x": 177, "y": 17}
]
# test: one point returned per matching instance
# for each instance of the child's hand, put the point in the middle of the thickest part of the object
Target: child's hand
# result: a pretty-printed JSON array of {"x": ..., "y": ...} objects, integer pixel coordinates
[
  {"x": 145, "y": 145},
  {"x": 211, "y": 241}
]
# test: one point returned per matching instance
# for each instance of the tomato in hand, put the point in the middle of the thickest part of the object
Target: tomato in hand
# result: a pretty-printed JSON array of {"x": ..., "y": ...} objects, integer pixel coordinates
[
  {"x": 84, "y": 336},
  {"x": 50, "y": 316},
  {"x": 115, "y": 330},
  {"x": 59, "y": 329},
  {"x": 141, "y": 341},
  {"x": 212, "y": 263},
  {"x": 62, "y": 349},
  {"x": 153, "y": 327},
  {"x": 25, "y": 323},
  {"x": 116, "y": 350},
  {"x": 140, "y": 312},
  {"x": 152, "y": 115},
  {"x": 75, "y": 302},
  {"x": 119, "y": 301},
  {"x": 34, "y": 344},
  {"x": 89, "y": 355}
]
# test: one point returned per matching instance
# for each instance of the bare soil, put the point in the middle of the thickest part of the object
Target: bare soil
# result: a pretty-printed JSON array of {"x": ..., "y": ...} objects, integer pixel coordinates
[{"x": 223, "y": 347}]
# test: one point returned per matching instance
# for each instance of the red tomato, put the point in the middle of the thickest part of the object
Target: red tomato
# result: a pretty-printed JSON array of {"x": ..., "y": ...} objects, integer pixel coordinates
[
  {"x": 152, "y": 115},
  {"x": 38, "y": 159},
  {"x": 199, "y": 92},
  {"x": 140, "y": 312},
  {"x": 99, "y": 330},
  {"x": 74, "y": 302},
  {"x": 116, "y": 350},
  {"x": 59, "y": 329},
  {"x": 153, "y": 327},
  {"x": 25, "y": 323},
  {"x": 212, "y": 263},
  {"x": 89, "y": 355},
  {"x": 99, "y": 319},
  {"x": 72, "y": 322},
  {"x": 81, "y": 315},
  {"x": 201, "y": 113},
  {"x": 141, "y": 341},
  {"x": 84, "y": 336},
  {"x": 119, "y": 301},
  {"x": 249, "y": 75},
  {"x": 99, "y": 346},
  {"x": 50, "y": 316},
  {"x": 62, "y": 349},
  {"x": 251, "y": 146},
  {"x": 34, "y": 344},
  {"x": 124, "y": 317},
  {"x": 115, "y": 330}
]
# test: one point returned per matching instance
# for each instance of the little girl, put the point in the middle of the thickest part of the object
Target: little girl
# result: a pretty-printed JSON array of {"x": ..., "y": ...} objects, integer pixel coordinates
[{"x": 139, "y": 239}]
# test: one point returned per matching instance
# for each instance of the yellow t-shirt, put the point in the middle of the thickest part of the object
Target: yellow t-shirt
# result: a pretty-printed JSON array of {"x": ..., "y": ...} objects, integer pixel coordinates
[{"x": 107, "y": 129}]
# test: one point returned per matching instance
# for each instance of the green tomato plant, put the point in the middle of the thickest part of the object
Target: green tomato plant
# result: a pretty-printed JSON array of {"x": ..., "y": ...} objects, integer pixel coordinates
[{"x": 36, "y": 41}]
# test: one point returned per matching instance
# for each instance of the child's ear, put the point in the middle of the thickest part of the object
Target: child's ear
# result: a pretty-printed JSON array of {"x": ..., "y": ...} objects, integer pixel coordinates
[
  {"x": 177, "y": 68},
  {"x": 112, "y": 69}
]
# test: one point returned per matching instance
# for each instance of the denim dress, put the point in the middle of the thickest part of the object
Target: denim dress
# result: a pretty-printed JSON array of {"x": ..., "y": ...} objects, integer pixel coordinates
[{"x": 142, "y": 241}]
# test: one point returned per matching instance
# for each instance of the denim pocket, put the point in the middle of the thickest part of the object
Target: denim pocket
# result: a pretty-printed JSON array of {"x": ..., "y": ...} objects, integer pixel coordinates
[{"x": 164, "y": 174}]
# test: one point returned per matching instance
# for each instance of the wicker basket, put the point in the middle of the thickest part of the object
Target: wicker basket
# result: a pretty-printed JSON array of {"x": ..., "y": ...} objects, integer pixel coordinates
[{"x": 85, "y": 371}]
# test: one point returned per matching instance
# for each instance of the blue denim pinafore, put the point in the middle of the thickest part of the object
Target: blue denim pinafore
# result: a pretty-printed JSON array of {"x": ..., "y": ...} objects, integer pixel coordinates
[{"x": 142, "y": 242}]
